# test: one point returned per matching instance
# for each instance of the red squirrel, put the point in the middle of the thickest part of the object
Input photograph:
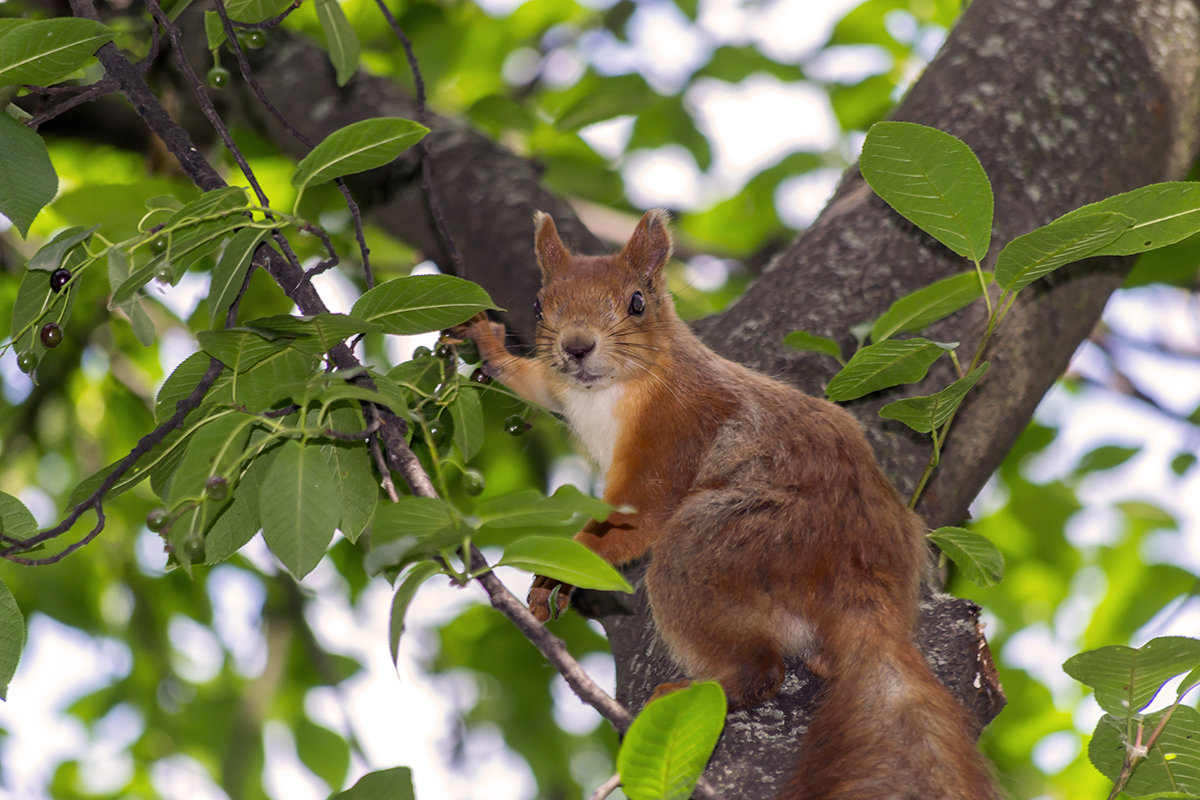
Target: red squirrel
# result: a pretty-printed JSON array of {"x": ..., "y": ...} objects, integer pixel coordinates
[{"x": 772, "y": 529}]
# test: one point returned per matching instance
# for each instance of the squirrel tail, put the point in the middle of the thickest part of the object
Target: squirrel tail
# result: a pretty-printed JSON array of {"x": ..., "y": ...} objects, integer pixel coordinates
[{"x": 886, "y": 729}]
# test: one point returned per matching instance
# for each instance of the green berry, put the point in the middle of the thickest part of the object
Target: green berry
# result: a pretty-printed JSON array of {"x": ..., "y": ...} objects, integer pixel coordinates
[
  {"x": 437, "y": 431},
  {"x": 218, "y": 77},
  {"x": 159, "y": 245},
  {"x": 255, "y": 39},
  {"x": 472, "y": 482},
  {"x": 193, "y": 546},
  {"x": 52, "y": 335},
  {"x": 421, "y": 352},
  {"x": 164, "y": 275},
  {"x": 156, "y": 520},
  {"x": 26, "y": 362},
  {"x": 59, "y": 278},
  {"x": 216, "y": 487},
  {"x": 515, "y": 425}
]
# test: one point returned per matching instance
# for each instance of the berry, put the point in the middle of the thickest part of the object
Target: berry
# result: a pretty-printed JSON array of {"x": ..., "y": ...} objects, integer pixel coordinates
[
  {"x": 472, "y": 482},
  {"x": 164, "y": 275},
  {"x": 26, "y": 362},
  {"x": 479, "y": 376},
  {"x": 255, "y": 40},
  {"x": 437, "y": 431},
  {"x": 421, "y": 352},
  {"x": 515, "y": 425},
  {"x": 216, "y": 487},
  {"x": 59, "y": 278},
  {"x": 193, "y": 546},
  {"x": 159, "y": 245},
  {"x": 445, "y": 351},
  {"x": 52, "y": 335},
  {"x": 156, "y": 520},
  {"x": 218, "y": 77}
]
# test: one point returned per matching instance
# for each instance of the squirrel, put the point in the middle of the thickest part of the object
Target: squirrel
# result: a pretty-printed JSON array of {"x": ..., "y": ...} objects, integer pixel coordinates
[{"x": 772, "y": 528}]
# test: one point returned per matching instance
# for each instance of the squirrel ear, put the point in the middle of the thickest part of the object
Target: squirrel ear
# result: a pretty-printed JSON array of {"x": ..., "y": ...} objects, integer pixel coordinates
[
  {"x": 649, "y": 248},
  {"x": 552, "y": 254}
]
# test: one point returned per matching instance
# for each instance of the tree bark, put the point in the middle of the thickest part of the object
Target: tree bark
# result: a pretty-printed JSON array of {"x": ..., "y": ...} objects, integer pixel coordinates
[{"x": 1064, "y": 103}]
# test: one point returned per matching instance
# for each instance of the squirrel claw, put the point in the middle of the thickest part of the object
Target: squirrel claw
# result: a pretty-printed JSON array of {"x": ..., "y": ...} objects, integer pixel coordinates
[{"x": 548, "y": 599}]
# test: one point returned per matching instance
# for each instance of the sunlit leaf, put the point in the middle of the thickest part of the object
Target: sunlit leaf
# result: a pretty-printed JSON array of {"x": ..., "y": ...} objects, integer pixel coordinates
[
  {"x": 668, "y": 744},
  {"x": 1068, "y": 239},
  {"x": 1125, "y": 680},
  {"x": 565, "y": 560},
  {"x": 977, "y": 558},
  {"x": 385, "y": 784},
  {"x": 405, "y": 592},
  {"x": 880, "y": 366},
  {"x": 1171, "y": 767},
  {"x": 1163, "y": 213},
  {"x": 340, "y": 38},
  {"x": 358, "y": 147},
  {"x": 421, "y": 303},
  {"x": 12, "y": 638},
  {"x": 933, "y": 180}
]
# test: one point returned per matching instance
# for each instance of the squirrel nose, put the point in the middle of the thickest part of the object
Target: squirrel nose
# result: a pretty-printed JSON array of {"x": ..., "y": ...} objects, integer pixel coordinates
[{"x": 578, "y": 347}]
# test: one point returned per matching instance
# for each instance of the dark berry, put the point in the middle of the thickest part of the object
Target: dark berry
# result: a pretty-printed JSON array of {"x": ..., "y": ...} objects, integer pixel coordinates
[
  {"x": 515, "y": 425},
  {"x": 472, "y": 482},
  {"x": 26, "y": 362},
  {"x": 255, "y": 39},
  {"x": 193, "y": 546},
  {"x": 218, "y": 77},
  {"x": 479, "y": 376},
  {"x": 437, "y": 431},
  {"x": 59, "y": 278},
  {"x": 52, "y": 335},
  {"x": 445, "y": 351},
  {"x": 156, "y": 520},
  {"x": 421, "y": 352},
  {"x": 216, "y": 487}
]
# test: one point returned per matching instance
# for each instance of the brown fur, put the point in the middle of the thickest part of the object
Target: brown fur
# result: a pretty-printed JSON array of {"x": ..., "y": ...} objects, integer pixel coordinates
[{"x": 772, "y": 527}]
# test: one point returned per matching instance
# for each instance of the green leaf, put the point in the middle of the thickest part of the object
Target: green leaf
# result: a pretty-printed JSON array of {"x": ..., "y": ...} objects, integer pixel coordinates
[
  {"x": 400, "y": 601},
  {"x": 385, "y": 784},
  {"x": 1125, "y": 680},
  {"x": 421, "y": 303},
  {"x": 1064, "y": 241},
  {"x": 976, "y": 557},
  {"x": 211, "y": 451},
  {"x": 341, "y": 40},
  {"x": 230, "y": 272},
  {"x": 356, "y": 485},
  {"x": 933, "y": 180},
  {"x": 50, "y": 256},
  {"x": 27, "y": 178},
  {"x": 1183, "y": 462},
  {"x": 811, "y": 343},
  {"x": 1105, "y": 457},
  {"x": 1171, "y": 767},
  {"x": 327, "y": 329},
  {"x": 214, "y": 31},
  {"x": 565, "y": 560},
  {"x": 256, "y": 10},
  {"x": 12, "y": 638},
  {"x": 16, "y": 520},
  {"x": 322, "y": 751},
  {"x": 240, "y": 348},
  {"x": 467, "y": 413},
  {"x": 616, "y": 96},
  {"x": 357, "y": 147},
  {"x": 1163, "y": 213},
  {"x": 929, "y": 412},
  {"x": 46, "y": 51},
  {"x": 528, "y": 508},
  {"x": 298, "y": 507},
  {"x": 880, "y": 366},
  {"x": 938, "y": 300},
  {"x": 670, "y": 741}
]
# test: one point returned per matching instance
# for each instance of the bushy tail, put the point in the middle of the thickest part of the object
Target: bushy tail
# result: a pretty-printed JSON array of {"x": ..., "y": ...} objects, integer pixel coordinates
[{"x": 886, "y": 729}]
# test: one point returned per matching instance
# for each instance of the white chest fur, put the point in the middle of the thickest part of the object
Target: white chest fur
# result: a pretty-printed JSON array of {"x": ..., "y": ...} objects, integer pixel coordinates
[{"x": 592, "y": 414}]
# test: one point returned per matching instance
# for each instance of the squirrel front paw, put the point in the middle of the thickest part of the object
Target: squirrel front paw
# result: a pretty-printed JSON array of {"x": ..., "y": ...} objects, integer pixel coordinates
[
  {"x": 548, "y": 598},
  {"x": 476, "y": 328}
]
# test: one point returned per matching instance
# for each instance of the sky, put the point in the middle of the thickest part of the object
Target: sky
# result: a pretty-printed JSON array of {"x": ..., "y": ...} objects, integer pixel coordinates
[{"x": 750, "y": 125}]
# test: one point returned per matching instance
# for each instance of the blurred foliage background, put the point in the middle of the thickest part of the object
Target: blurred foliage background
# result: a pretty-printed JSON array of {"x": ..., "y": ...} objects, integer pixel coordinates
[{"x": 740, "y": 117}]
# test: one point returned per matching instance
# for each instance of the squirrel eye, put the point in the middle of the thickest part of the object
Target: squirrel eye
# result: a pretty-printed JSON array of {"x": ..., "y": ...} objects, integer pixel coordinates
[
  {"x": 537, "y": 310},
  {"x": 637, "y": 304}
]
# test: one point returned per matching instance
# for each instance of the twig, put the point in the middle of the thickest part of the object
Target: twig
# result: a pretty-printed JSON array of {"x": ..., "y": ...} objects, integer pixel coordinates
[
  {"x": 427, "y": 184},
  {"x": 606, "y": 788},
  {"x": 85, "y": 94}
]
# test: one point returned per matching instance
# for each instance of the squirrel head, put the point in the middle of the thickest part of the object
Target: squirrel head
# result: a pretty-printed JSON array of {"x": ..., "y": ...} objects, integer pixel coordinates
[{"x": 604, "y": 319}]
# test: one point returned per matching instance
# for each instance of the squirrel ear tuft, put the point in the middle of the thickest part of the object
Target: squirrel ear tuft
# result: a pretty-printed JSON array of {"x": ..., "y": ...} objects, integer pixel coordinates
[
  {"x": 649, "y": 248},
  {"x": 552, "y": 254}
]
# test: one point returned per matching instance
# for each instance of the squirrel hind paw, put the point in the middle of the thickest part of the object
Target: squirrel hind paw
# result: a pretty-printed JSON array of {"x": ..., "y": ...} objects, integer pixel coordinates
[{"x": 548, "y": 599}]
